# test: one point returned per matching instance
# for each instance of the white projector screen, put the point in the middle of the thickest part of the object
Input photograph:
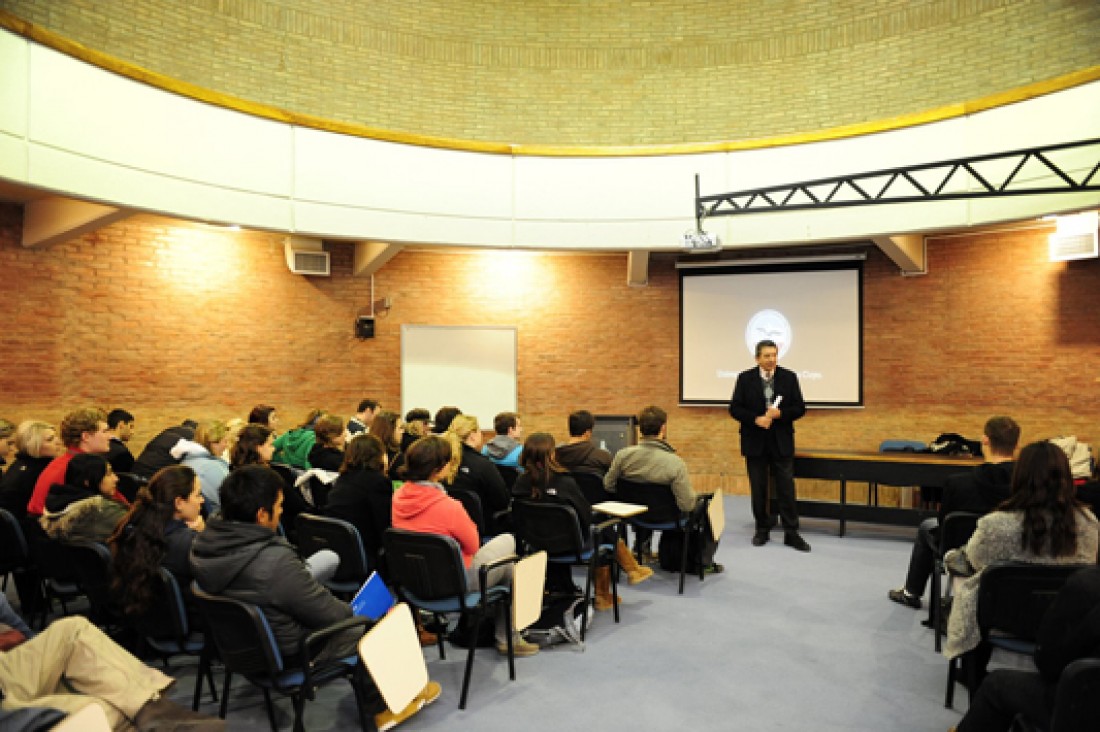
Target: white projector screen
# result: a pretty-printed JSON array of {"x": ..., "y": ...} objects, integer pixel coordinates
[
  {"x": 812, "y": 311},
  {"x": 469, "y": 367}
]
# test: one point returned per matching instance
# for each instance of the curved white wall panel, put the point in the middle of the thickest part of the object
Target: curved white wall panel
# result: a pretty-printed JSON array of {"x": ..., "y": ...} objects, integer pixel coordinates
[{"x": 86, "y": 133}]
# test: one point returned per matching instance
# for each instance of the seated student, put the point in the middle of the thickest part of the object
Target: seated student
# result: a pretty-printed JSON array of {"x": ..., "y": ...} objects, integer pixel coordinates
[
  {"x": 7, "y": 443},
  {"x": 976, "y": 491},
  {"x": 418, "y": 422},
  {"x": 363, "y": 495},
  {"x": 364, "y": 415},
  {"x": 477, "y": 473},
  {"x": 72, "y": 664},
  {"x": 388, "y": 427},
  {"x": 578, "y": 454},
  {"x": 204, "y": 456},
  {"x": 505, "y": 447},
  {"x": 158, "y": 451},
  {"x": 86, "y": 507},
  {"x": 544, "y": 479},
  {"x": 422, "y": 505},
  {"x": 264, "y": 415},
  {"x": 443, "y": 418},
  {"x": 293, "y": 446},
  {"x": 1041, "y": 522},
  {"x": 1070, "y": 630},
  {"x": 36, "y": 444},
  {"x": 121, "y": 424},
  {"x": 240, "y": 555},
  {"x": 158, "y": 530},
  {"x": 327, "y": 452},
  {"x": 255, "y": 445},
  {"x": 82, "y": 430}
]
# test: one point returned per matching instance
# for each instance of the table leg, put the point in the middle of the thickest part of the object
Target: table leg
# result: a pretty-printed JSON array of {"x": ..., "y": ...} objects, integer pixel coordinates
[{"x": 843, "y": 503}]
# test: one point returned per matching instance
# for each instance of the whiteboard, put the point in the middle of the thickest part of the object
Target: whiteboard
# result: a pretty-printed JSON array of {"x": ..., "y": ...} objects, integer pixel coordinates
[{"x": 466, "y": 366}]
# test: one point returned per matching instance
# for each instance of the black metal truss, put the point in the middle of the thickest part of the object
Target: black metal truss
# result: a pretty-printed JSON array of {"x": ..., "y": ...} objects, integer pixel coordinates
[{"x": 1036, "y": 170}]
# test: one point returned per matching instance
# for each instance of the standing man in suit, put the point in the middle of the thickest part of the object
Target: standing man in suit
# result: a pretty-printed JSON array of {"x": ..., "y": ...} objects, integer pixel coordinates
[{"x": 766, "y": 401}]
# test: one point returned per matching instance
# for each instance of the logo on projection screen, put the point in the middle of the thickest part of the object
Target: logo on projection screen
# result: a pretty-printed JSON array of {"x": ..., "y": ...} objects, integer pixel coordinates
[{"x": 768, "y": 325}]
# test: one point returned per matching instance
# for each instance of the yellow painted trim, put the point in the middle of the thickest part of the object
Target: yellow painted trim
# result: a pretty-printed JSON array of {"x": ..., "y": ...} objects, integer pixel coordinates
[{"x": 126, "y": 69}]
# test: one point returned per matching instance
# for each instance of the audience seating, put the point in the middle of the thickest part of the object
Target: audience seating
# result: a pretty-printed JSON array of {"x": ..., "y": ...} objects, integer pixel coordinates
[
  {"x": 320, "y": 532},
  {"x": 472, "y": 503},
  {"x": 59, "y": 579},
  {"x": 92, "y": 563},
  {"x": 509, "y": 474},
  {"x": 591, "y": 486},
  {"x": 1076, "y": 700},
  {"x": 15, "y": 555},
  {"x": 663, "y": 514},
  {"x": 958, "y": 527},
  {"x": 130, "y": 483},
  {"x": 247, "y": 647},
  {"x": 429, "y": 573},
  {"x": 555, "y": 529},
  {"x": 1012, "y": 599},
  {"x": 167, "y": 631}
]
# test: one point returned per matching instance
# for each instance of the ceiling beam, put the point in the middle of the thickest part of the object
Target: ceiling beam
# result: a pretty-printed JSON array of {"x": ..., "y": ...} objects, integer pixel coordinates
[
  {"x": 370, "y": 256},
  {"x": 907, "y": 251},
  {"x": 48, "y": 221}
]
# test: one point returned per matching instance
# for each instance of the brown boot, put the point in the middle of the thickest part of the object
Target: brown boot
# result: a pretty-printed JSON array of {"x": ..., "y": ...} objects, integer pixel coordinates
[
  {"x": 635, "y": 572},
  {"x": 604, "y": 598}
]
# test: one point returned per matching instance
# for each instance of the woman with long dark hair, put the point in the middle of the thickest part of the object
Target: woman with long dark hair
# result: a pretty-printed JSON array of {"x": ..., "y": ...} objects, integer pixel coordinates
[
  {"x": 158, "y": 530},
  {"x": 87, "y": 506},
  {"x": 1042, "y": 522},
  {"x": 388, "y": 427},
  {"x": 544, "y": 479},
  {"x": 254, "y": 446},
  {"x": 363, "y": 495}
]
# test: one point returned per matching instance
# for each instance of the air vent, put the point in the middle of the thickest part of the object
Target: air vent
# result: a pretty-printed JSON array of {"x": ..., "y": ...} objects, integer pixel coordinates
[
  {"x": 1064, "y": 247},
  {"x": 306, "y": 256}
]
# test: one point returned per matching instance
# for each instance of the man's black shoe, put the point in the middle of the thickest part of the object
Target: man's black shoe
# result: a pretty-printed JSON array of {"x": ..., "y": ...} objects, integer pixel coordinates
[
  {"x": 793, "y": 540},
  {"x": 760, "y": 538},
  {"x": 902, "y": 597}
]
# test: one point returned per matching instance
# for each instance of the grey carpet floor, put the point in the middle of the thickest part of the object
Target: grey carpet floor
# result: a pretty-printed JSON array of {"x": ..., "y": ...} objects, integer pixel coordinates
[{"x": 781, "y": 641}]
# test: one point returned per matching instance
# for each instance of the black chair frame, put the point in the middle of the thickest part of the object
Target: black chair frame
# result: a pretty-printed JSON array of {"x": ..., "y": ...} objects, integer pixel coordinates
[
  {"x": 246, "y": 646},
  {"x": 555, "y": 529},
  {"x": 316, "y": 533},
  {"x": 663, "y": 514},
  {"x": 429, "y": 574},
  {"x": 957, "y": 528}
]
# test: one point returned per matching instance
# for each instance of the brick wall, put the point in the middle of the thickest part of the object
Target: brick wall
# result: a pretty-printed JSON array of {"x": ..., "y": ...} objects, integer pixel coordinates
[
  {"x": 174, "y": 320},
  {"x": 592, "y": 72}
]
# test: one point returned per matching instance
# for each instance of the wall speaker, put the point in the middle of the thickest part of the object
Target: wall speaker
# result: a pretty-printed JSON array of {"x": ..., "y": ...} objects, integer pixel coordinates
[{"x": 364, "y": 326}]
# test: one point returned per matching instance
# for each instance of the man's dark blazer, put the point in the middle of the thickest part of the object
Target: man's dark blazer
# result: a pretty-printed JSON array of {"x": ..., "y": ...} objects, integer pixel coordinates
[{"x": 747, "y": 403}]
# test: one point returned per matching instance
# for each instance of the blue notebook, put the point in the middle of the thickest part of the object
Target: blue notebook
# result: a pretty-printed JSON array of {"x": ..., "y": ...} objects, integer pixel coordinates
[{"x": 373, "y": 600}]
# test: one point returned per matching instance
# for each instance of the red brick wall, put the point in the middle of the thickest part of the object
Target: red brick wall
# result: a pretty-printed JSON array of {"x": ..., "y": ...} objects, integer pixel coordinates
[{"x": 176, "y": 320}]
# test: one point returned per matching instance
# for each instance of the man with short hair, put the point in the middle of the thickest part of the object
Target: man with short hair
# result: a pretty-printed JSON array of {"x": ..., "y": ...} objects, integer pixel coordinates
[
  {"x": 121, "y": 424},
  {"x": 443, "y": 418},
  {"x": 418, "y": 423},
  {"x": 767, "y": 401},
  {"x": 363, "y": 416},
  {"x": 241, "y": 555},
  {"x": 82, "y": 430},
  {"x": 976, "y": 491},
  {"x": 579, "y": 454},
  {"x": 653, "y": 460},
  {"x": 157, "y": 453},
  {"x": 504, "y": 449}
]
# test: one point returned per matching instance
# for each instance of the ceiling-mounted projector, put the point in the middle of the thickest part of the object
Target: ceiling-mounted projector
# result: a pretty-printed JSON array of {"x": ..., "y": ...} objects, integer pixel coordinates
[{"x": 701, "y": 241}]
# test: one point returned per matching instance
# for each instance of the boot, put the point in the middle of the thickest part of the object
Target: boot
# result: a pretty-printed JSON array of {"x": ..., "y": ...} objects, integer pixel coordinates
[
  {"x": 635, "y": 572},
  {"x": 427, "y": 638},
  {"x": 604, "y": 599}
]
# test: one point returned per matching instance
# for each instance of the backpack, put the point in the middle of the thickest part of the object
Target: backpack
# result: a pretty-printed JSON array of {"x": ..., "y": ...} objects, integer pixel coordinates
[
  {"x": 670, "y": 550},
  {"x": 563, "y": 616},
  {"x": 952, "y": 443}
]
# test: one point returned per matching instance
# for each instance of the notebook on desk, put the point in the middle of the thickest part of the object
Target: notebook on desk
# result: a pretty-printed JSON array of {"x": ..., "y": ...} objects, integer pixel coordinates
[{"x": 373, "y": 600}]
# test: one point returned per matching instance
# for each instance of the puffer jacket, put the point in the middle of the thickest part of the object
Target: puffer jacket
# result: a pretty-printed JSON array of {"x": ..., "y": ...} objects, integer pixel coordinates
[{"x": 250, "y": 562}]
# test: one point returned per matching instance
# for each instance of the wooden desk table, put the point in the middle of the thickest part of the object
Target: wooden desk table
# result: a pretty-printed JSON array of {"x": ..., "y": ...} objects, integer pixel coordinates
[{"x": 885, "y": 468}]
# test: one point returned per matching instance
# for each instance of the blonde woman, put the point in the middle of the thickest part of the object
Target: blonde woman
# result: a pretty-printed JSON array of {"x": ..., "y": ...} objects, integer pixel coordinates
[
  {"x": 205, "y": 458},
  {"x": 477, "y": 473}
]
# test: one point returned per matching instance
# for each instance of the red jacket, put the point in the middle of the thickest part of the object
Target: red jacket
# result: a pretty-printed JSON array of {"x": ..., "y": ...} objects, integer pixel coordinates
[
  {"x": 427, "y": 509},
  {"x": 54, "y": 473}
]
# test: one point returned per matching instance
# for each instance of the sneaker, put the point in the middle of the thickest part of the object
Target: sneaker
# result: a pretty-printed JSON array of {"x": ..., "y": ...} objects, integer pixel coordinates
[
  {"x": 902, "y": 597},
  {"x": 714, "y": 568},
  {"x": 388, "y": 720},
  {"x": 760, "y": 538},
  {"x": 521, "y": 648},
  {"x": 794, "y": 540}
]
